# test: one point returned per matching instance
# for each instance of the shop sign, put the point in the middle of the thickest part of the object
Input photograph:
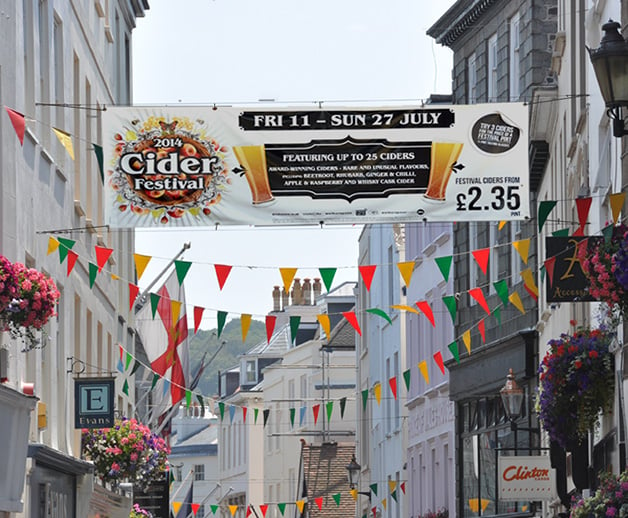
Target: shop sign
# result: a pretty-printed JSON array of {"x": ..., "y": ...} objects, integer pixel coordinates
[
  {"x": 93, "y": 402},
  {"x": 526, "y": 478},
  {"x": 203, "y": 166}
]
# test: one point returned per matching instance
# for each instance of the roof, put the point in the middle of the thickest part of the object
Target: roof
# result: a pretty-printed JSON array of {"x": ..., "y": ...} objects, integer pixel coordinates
[
  {"x": 203, "y": 442},
  {"x": 342, "y": 336},
  {"x": 279, "y": 343},
  {"x": 325, "y": 474}
]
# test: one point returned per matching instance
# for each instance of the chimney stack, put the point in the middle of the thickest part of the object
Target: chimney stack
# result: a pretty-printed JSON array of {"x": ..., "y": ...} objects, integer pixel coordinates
[
  {"x": 285, "y": 298},
  {"x": 317, "y": 288},
  {"x": 276, "y": 302},
  {"x": 307, "y": 292},
  {"x": 297, "y": 293}
]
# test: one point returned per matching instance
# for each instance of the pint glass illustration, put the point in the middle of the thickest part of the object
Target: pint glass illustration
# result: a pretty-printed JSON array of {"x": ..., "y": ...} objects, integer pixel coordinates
[
  {"x": 443, "y": 158},
  {"x": 253, "y": 160}
]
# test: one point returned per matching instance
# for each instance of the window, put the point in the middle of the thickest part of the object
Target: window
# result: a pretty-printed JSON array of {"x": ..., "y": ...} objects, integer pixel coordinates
[
  {"x": 250, "y": 372},
  {"x": 200, "y": 512},
  {"x": 178, "y": 473},
  {"x": 514, "y": 58},
  {"x": 472, "y": 79},
  {"x": 491, "y": 87},
  {"x": 199, "y": 471}
]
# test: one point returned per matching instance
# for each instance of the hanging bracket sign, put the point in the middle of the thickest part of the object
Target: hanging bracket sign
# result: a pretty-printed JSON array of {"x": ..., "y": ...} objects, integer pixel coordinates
[{"x": 201, "y": 166}]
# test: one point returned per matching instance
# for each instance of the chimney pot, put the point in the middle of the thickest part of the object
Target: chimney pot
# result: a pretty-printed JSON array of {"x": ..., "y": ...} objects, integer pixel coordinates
[{"x": 276, "y": 302}]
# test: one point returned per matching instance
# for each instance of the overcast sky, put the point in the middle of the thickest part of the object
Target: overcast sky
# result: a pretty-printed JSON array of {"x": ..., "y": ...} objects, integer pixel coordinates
[{"x": 237, "y": 51}]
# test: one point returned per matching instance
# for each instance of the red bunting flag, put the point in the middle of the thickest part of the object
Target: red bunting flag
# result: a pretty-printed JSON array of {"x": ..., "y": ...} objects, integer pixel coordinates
[
  {"x": 319, "y": 503},
  {"x": 482, "y": 330},
  {"x": 367, "y": 272},
  {"x": 195, "y": 508},
  {"x": 133, "y": 293},
  {"x": 270, "y": 326},
  {"x": 549, "y": 268},
  {"x": 438, "y": 358},
  {"x": 481, "y": 257},
  {"x": 244, "y": 411},
  {"x": 102, "y": 256},
  {"x": 19, "y": 125},
  {"x": 374, "y": 511},
  {"x": 478, "y": 295},
  {"x": 198, "y": 316},
  {"x": 72, "y": 257},
  {"x": 353, "y": 320},
  {"x": 264, "y": 509},
  {"x": 583, "y": 205},
  {"x": 425, "y": 308},
  {"x": 222, "y": 272},
  {"x": 403, "y": 487},
  {"x": 392, "y": 382},
  {"x": 315, "y": 411},
  {"x": 249, "y": 512}
]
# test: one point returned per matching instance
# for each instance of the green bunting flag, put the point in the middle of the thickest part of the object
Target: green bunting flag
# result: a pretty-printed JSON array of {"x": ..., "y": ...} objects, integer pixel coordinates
[
  {"x": 444, "y": 265},
  {"x": 221, "y": 408},
  {"x": 93, "y": 271},
  {"x": 365, "y": 397},
  {"x": 336, "y": 498},
  {"x": 68, "y": 243},
  {"x": 292, "y": 414},
  {"x": 63, "y": 252},
  {"x": 406, "y": 379},
  {"x": 171, "y": 477},
  {"x": 380, "y": 313},
  {"x": 154, "y": 302},
  {"x": 450, "y": 302},
  {"x": 127, "y": 361},
  {"x": 214, "y": 508},
  {"x": 394, "y": 495},
  {"x": 136, "y": 366},
  {"x": 282, "y": 508},
  {"x": 343, "y": 404},
  {"x": 188, "y": 398},
  {"x": 266, "y": 414},
  {"x": 255, "y": 414},
  {"x": 155, "y": 380},
  {"x": 327, "y": 274},
  {"x": 564, "y": 232},
  {"x": 222, "y": 318},
  {"x": 501, "y": 287},
  {"x": 182, "y": 268},
  {"x": 330, "y": 408},
  {"x": 543, "y": 271},
  {"x": 545, "y": 207},
  {"x": 295, "y": 321},
  {"x": 453, "y": 347},
  {"x": 374, "y": 488},
  {"x": 99, "y": 159},
  {"x": 125, "y": 387},
  {"x": 201, "y": 402}
]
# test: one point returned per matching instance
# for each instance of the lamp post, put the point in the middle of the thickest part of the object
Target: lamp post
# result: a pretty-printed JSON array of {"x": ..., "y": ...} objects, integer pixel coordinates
[
  {"x": 353, "y": 469},
  {"x": 512, "y": 397}
]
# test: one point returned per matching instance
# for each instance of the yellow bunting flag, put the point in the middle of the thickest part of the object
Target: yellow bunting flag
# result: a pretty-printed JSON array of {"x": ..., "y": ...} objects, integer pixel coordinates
[
  {"x": 245, "y": 323},
  {"x": 377, "y": 392},
  {"x": 287, "y": 275},
  {"x": 354, "y": 494},
  {"x": 402, "y": 307},
  {"x": 66, "y": 141},
  {"x": 617, "y": 200},
  {"x": 176, "y": 506},
  {"x": 141, "y": 262},
  {"x": 423, "y": 369},
  {"x": 324, "y": 322},
  {"x": 502, "y": 224},
  {"x": 528, "y": 280},
  {"x": 406, "y": 269},
  {"x": 384, "y": 503},
  {"x": 175, "y": 307},
  {"x": 392, "y": 485},
  {"x": 466, "y": 338},
  {"x": 53, "y": 245},
  {"x": 233, "y": 509},
  {"x": 300, "y": 505},
  {"x": 114, "y": 277},
  {"x": 515, "y": 300},
  {"x": 523, "y": 247}
]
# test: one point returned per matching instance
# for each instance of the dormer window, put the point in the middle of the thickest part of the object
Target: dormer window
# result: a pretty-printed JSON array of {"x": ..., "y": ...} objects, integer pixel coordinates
[{"x": 250, "y": 372}]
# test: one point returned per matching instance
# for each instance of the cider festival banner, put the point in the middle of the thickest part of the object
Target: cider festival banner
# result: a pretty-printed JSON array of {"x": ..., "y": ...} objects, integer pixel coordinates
[{"x": 199, "y": 166}]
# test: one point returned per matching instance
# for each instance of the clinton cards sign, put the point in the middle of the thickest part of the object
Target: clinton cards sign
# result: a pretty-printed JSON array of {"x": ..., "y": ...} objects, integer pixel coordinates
[
  {"x": 191, "y": 166},
  {"x": 526, "y": 478}
]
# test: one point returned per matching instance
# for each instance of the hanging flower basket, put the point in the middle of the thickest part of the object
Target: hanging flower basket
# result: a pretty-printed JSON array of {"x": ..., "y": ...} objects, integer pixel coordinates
[
  {"x": 8, "y": 286},
  {"x": 576, "y": 382},
  {"x": 138, "y": 512},
  {"x": 611, "y": 499},
  {"x": 128, "y": 452},
  {"x": 606, "y": 265}
]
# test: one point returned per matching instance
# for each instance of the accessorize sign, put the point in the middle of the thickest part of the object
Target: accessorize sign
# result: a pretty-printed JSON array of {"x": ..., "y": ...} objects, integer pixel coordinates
[
  {"x": 526, "y": 478},
  {"x": 93, "y": 402},
  {"x": 191, "y": 166}
]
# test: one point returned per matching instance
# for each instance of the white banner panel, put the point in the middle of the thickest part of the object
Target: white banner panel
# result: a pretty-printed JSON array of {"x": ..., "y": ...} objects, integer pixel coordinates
[
  {"x": 526, "y": 478},
  {"x": 190, "y": 166}
]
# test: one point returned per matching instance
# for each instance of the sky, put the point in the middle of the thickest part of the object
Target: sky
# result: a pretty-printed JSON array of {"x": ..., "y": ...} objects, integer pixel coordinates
[{"x": 201, "y": 52}]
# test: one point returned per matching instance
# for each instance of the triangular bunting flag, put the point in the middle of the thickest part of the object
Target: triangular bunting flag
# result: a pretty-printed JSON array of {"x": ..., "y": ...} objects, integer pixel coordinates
[
  {"x": 444, "y": 265},
  {"x": 264, "y": 509},
  {"x": 616, "y": 201},
  {"x": 481, "y": 257},
  {"x": 478, "y": 295},
  {"x": 249, "y": 511},
  {"x": 343, "y": 404},
  {"x": 515, "y": 300},
  {"x": 295, "y": 322},
  {"x": 423, "y": 368},
  {"x": 380, "y": 313},
  {"x": 176, "y": 506},
  {"x": 93, "y": 272},
  {"x": 367, "y": 272},
  {"x": 549, "y": 268},
  {"x": 72, "y": 258},
  {"x": 501, "y": 287},
  {"x": 232, "y": 410},
  {"x": 336, "y": 497},
  {"x": 545, "y": 207},
  {"x": 53, "y": 244},
  {"x": 438, "y": 358},
  {"x": 523, "y": 247},
  {"x": 353, "y": 320},
  {"x": 392, "y": 383},
  {"x": 133, "y": 293},
  {"x": 68, "y": 243},
  {"x": 255, "y": 414},
  {"x": 373, "y": 488},
  {"x": 319, "y": 502},
  {"x": 271, "y": 320},
  {"x": 154, "y": 302},
  {"x": 392, "y": 485},
  {"x": 365, "y": 396},
  {"x": 63, "y": 252},
  {"x": 300, "y": 505},
  {"x": 563, "y": 232},
  {"x": 377, "y": 392},
  {"x": 329, "y": 407},
  {"x": 266, "y": 413},
  {"x": 453, "y": 348},
  {"x": 466, "y": 339},
  {"x": 282, "y": 508},
  {"x": 18, "y": 122},
  {"x": 221, "y": 318},
  {"x": 198, "y": 317},
  {"x": 127, "y": 361},
  {"x": 135, "y": 368},
  {"x": 155, "y": 380},
  {"x": 244, "y": 412},
  {"x": 325, "y": 324},
  {"x": 450, "y": 302},
  {"x": 406, "y": 268},
  {"x": 201, "y": 402},
  {"x": 583, "y": 205},
  {"x": 182, "y": 268},
  {"x": 287, "y": 275},
  {"x": 102, "y": 256},
  {"x": 426, "y": 310},
  {"x": 315, "y": 410},
  {"x": 101, "y": 169},
  {"x": 406, "y": 379},
  {"x": 501, "y": 224},
  {"x": 214, "y": 508},
  {"x": 384, "y": 503},
  {"x": 222, "y": 272},
  {"x": 393, "y": 495},
  {"x": 221, "y": 409},
  {"x": 125, "y": 387},
  {"x": 354, "y": 494},
  {"x": 293, "y": 412},
  {"x": 233, "y": 509},
  {"x": 529, "y": 282},
  {"x": 403, "y": 487},
  {"x": 245, "y": 323},
  {"x": 66, "y": 141},
  {"x": 328, "y": 274},
  {"x": 141, "y": 262},
  {"x": 175, "y": 309},
  {"x": 402, "y": 307},
  {"x": 188, "y": 398},
  {"x": 482, "y": 330}
]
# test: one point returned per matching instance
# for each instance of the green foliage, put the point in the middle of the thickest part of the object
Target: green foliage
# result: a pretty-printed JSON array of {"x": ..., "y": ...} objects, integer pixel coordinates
[{"x": 206, "y": 341}]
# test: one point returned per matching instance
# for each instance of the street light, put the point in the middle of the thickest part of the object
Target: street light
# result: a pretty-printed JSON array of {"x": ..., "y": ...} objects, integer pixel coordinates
[
  {"x": 512, "y": 397},
  {"x": 353, "y": 468},
  {"x": 610, "y": 63}
]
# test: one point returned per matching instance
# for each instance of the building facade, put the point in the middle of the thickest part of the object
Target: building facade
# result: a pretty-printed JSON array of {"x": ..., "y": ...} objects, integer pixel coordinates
[{"x": 61, "y": 62}]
